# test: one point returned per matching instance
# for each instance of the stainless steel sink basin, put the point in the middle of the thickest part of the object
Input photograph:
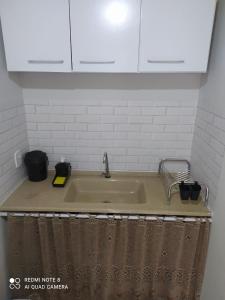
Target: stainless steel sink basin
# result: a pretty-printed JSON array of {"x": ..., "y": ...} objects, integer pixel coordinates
[{"x": 101, "y": 190}]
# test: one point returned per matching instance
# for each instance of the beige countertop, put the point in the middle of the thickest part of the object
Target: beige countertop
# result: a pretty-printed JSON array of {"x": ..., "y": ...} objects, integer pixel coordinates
[{"x": 43, "y": 197}]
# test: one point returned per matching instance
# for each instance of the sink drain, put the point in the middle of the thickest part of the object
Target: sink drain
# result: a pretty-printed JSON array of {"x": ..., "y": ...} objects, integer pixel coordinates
[{"x": 106, "y": 201}]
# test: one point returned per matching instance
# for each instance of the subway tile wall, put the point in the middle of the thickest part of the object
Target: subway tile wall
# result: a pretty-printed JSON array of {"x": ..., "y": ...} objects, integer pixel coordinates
[
  {"x": 208, "y": 148},
  {"x": 136, "y": 128},
  {"x": 13, "y": 136}
]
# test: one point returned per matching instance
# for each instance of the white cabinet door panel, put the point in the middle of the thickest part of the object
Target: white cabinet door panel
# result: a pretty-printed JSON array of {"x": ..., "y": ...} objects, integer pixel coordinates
[
  {"x": 105, "y": 35},
  {"x": 175, "y": 35},
  {"x": 36, "y": 35}
]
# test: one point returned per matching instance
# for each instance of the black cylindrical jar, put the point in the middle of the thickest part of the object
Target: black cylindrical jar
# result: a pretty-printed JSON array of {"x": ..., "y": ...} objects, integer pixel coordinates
[{"x": 36, "y": 163}]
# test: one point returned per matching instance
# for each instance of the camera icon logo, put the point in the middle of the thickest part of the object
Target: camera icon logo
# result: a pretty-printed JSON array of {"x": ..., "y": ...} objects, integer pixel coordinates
[{"x": 14, "y": 283}]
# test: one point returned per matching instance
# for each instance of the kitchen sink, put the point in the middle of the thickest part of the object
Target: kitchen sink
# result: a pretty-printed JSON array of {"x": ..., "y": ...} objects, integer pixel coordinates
[{"x": 102, "y": 190}]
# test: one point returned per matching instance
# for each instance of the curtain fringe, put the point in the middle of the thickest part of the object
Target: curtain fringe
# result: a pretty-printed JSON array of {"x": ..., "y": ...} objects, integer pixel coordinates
[{"x": 108, "y": 216}]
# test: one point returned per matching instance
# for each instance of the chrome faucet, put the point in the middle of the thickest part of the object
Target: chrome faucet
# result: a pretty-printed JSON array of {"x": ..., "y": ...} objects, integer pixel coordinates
[{"x": 106, "y": 162}]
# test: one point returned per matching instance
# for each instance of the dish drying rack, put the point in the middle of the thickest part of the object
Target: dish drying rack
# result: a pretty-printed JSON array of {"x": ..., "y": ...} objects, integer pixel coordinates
[{"x": 172, "y": 177}]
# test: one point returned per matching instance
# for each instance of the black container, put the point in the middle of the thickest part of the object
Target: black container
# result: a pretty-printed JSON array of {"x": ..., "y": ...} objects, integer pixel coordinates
[
  {"x": 36, "y": 163},
  {"x": 63, "y": 172},
  {"x": 184, "y": 190},
  {"x": 195, "y": 191},
  {"x": 63, "y": 169}
]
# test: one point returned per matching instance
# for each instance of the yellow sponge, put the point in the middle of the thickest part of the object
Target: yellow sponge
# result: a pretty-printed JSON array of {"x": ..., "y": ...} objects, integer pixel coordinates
[{"x": 60, "y": 180}]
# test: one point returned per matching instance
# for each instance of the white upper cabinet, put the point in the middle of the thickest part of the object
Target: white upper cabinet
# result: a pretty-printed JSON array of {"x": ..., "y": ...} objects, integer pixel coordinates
[
  {"x": 36, "y": 35},
  {"x": 114, "y": 36},
  {"x": 175, "y": 35},
  {"x": 105, "y": 35}
]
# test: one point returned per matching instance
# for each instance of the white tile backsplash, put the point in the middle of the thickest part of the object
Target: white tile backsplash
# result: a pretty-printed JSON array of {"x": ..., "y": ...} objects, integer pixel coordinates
[
  {"x": 136, "y": 128},
  {"x": 13, "y": 136},
  {"x": 208, "y": 148}
]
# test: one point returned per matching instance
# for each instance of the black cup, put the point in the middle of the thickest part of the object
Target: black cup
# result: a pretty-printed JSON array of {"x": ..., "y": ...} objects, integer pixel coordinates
[
  {"x": 184, "y": 190},
  {"x": 195, "y": 191}
]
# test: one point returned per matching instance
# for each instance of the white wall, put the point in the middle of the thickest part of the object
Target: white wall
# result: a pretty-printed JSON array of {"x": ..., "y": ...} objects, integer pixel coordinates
[
  {"x": 12, "y": 136},
  {"x": 208, "y": 156},
  {"x": 138, "y": 119},
  {"x": 209, "y": 137},
  {"x": 12, "y": 128}
]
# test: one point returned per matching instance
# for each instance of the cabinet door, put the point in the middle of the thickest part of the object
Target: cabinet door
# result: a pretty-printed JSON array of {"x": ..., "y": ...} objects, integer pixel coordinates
[
  {"x": 175, "y": 35},
  {"x": 36, "y": 35},
  {"x": 105, "y": 35}
]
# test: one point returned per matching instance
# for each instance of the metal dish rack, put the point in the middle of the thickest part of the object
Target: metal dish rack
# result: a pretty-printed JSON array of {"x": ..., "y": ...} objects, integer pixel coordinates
[{"x": 173, "y": 177}]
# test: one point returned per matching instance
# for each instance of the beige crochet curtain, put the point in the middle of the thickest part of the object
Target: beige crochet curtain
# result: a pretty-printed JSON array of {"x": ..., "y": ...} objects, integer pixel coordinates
[{"x": 108, "y": 259}]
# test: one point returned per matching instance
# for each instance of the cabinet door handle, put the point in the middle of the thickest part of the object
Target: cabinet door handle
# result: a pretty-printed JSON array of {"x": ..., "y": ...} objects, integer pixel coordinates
[
  {"x": 46, "y": 62},
  {"x": 179, "y": 61},
  {"x": 97, "y": 62}
]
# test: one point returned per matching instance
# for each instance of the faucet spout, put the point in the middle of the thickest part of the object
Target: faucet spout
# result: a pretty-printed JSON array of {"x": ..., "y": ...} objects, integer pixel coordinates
[{"x": 106, "y": 162}]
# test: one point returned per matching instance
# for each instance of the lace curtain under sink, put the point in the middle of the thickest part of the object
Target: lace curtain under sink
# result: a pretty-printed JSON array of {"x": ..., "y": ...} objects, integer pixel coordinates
[{"x": 108, "y": 259}]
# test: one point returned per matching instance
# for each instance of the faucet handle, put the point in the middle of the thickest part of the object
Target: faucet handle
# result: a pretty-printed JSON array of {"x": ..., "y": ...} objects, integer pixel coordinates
[
  {"x": 105, "y": 156},
  {"x": 106, "y": 162}
]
